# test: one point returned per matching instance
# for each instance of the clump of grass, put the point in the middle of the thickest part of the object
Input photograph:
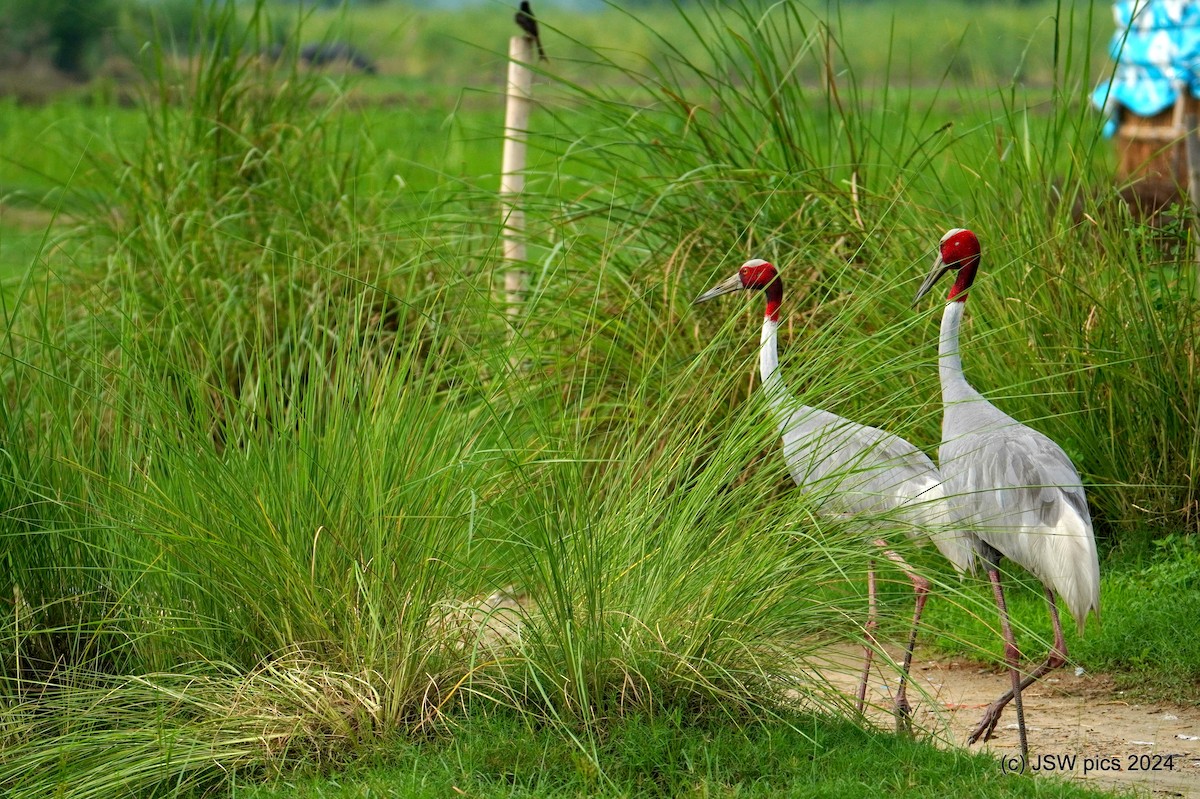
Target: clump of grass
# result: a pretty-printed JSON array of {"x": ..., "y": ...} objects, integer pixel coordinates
[
  {"x": 196, "y": 281},
  {"x": 237, "y": 234},
  {"x": 145, "y": 731},
  {"x": 661, "y": 573}
]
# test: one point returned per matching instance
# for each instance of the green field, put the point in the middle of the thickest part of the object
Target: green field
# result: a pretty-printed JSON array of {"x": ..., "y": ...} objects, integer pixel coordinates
[{"x": 274, "y": 439}]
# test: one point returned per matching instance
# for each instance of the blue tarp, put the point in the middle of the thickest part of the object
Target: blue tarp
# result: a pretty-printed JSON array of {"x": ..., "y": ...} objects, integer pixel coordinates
[{"x": 1156, "y": 48}]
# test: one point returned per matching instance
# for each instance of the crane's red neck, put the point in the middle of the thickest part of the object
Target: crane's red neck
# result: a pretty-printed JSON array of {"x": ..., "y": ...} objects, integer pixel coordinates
[
  {"x": 966, "y": 276},
  {"x": 960, "y": 251},
  {"x": 774, "y": 293}
]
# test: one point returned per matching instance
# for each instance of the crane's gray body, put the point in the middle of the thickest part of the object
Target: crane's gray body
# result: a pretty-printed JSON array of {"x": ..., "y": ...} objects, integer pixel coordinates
[
  {"x": 854, "y": 470},
  {"x": 1015, "y": 487}
]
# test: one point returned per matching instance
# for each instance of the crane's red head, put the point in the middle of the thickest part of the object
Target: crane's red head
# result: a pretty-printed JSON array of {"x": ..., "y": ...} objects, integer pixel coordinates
[
  {"x": 958, "y": 251},
  {"x": 753, "y": 275}
]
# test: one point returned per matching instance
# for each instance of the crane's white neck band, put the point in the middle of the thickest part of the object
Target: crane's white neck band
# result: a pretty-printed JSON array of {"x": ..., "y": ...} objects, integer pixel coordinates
[{"x": 949, "y": 363}]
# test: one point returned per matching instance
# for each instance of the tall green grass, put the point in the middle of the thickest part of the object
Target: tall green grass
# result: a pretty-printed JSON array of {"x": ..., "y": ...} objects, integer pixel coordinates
[
  {"x": 283, "y": 479},
  {"x": 1079, "y": 327}
]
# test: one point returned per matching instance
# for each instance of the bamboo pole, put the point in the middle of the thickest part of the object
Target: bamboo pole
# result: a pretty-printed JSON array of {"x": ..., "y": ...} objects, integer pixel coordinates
[
  {"x": 1185, "y": 108},
  {"x": 519, "y": 100}
]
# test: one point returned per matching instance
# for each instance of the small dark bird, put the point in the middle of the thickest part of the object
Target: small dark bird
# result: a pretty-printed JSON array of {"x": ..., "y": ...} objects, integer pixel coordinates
[
  {"x": 319, "y": 54},
  {"x": 528, "y": 23}
]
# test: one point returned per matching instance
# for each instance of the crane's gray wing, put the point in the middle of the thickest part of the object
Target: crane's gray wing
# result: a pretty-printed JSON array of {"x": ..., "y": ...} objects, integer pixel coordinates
[
  {"x": 861, "y": 468},
  {"x": 1023, "y": 496},
  {"x": 1012, "y": 478},
  {"x": 851, "y": 469}
]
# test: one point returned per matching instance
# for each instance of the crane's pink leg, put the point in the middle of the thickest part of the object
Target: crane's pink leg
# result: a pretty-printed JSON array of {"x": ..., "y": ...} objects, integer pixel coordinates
[
  {"x": 870, "y": 645},
  {"x": 921, "y": 589},
  {"x": 1013, "y": 657},
  {"x": 1055, "y": 659}
]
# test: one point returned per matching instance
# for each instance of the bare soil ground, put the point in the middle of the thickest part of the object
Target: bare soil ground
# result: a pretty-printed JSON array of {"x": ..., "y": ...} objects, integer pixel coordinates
[
  {"x": 1156, "y": 746},
  {"x": 30, "y": 219}
]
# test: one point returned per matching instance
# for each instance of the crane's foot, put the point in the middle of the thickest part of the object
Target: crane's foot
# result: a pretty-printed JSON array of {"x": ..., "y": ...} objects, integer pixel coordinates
[{"x": 987, "y": 724}]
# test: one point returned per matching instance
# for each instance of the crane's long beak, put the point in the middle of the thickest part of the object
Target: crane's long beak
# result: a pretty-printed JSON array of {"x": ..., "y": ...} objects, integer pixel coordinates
[
  {"x": 939, "y": 268},
  {"x": 727, "y": 286}
]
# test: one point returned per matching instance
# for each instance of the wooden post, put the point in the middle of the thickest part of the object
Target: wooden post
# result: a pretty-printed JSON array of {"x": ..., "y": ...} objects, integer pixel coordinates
[
  {"x": 519, "y": 96},
  {"x": 1191, "y": 155},
  {"x": 1192, "y": 150}
]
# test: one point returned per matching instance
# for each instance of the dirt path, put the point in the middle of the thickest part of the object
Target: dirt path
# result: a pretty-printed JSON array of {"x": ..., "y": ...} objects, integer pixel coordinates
[{"x": 1065, "y": 715}]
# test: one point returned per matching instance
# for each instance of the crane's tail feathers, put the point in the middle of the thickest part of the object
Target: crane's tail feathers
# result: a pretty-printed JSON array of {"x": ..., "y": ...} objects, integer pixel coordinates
[{"x": 1075, "y": 576}]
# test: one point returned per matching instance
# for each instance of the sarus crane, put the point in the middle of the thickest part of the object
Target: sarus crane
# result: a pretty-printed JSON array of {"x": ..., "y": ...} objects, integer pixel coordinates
[
  {"x": 1017, "y": 489},
  {"x": 854, "y": 470}
]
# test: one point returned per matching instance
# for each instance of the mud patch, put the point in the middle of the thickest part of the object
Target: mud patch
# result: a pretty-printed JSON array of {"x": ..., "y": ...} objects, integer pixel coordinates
[
  {"x": 1072, "y": 721},
  {"x": 32, "y": 219}
]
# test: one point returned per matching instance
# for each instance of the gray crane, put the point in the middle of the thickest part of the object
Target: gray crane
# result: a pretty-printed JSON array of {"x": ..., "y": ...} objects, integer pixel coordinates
[
  {"x": 1016, "y": 487},
  {"x": 855, "y": 470}
]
